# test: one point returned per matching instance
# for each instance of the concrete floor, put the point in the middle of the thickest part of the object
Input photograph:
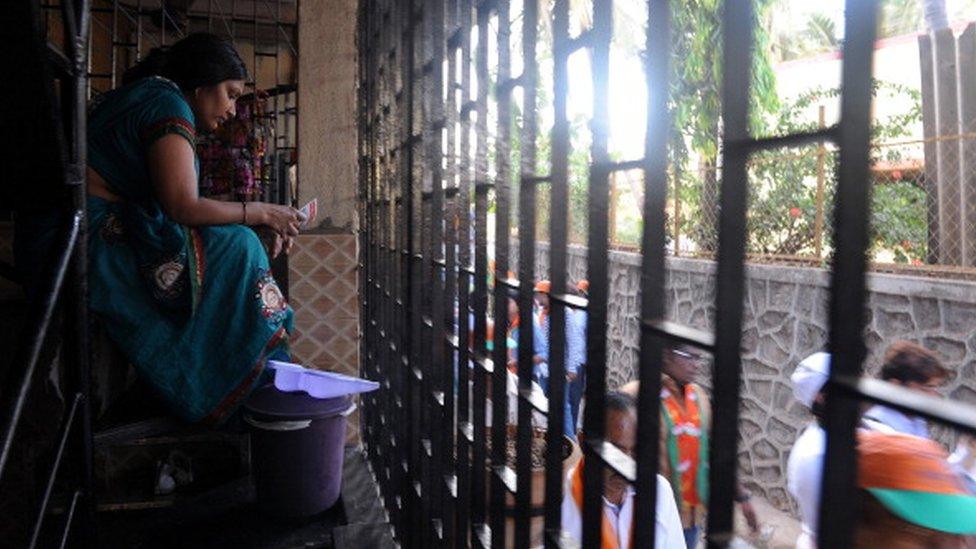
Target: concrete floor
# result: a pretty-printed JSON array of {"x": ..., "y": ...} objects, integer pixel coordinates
[
  {"x": 778, "y": 530},
  {"x": 228, "y": 517}
]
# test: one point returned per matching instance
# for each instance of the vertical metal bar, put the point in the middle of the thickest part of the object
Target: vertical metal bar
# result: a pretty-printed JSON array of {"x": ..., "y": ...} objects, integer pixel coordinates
[
  {"x": 479, "y": 488},
  {"x": 559, "y": 200},
  {"x": 818, "y": 224},
  {"x": 381, "y": 153},
  {"x": 293, "y": 111},
  {"x": 597, "y": 258},
  {"x": 378, "y": 161},
  {"x": 612, "y": 213},
  {"x": 394, "y": 343},
  {"x": 114, "y": 42},
  {"x": 76, "y": 325},
  {"x": 365, "y": 196},
  {"x": 88, "y": 67},
  {"x": 737, "y": 23},
  {"x": 434, "y": 95},
  {"x": 596, "y": 337},
  {"x": 425, "y": 253},
  {"x": 254, "y": 54},
  {"x": 653, "y": 241},
  {"x": 677, "y": 213},
  {"x": 407, "y": 281},
  {"x": 451, "y": 240},
  {"x": 414, "y": 284},
  {"x": 426, "y": 231},
  {"x": 527, "y": 236},
  {"x": 281, "y": 182},
  {"x": 503, "y": 188},
  {"x": 391, "y": 114},
  {"x": 138, "y": 30},
  {"x": 375, "y": 327},
  {"x": 405, "y": 172},
  {"x": 847, "y": 288},
  {"x": 464, "y": 470}
]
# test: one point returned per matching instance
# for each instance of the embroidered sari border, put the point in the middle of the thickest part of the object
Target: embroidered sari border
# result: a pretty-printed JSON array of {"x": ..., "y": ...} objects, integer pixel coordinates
[
  {"x": 174, "y": 124},
  {"x": 197, "y": 263},
  {"x": 219, "y": 414}
]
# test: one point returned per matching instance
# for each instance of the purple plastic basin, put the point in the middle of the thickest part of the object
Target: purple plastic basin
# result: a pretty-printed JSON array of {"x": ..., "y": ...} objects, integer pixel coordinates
[
  {"x": 297, "y": 450},
  {"x": 293, "y": 377}
]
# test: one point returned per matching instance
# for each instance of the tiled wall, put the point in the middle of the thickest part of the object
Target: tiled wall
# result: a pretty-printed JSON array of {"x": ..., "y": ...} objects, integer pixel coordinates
[{"x": 324, "y": 287}]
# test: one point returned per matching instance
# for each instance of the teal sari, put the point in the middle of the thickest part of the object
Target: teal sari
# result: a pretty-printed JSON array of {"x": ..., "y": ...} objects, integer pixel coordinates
[{"x": 195, "y": 309}]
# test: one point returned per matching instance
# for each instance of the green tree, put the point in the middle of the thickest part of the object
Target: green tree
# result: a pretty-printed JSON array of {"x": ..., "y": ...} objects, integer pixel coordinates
[
  {"x": 695, "y": 102},
  {"x": 783, "y": 185}
]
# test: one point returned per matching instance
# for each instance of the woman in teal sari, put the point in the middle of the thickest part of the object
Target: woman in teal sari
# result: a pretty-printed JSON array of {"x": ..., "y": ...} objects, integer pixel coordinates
[{"x": 181, "y": 282}]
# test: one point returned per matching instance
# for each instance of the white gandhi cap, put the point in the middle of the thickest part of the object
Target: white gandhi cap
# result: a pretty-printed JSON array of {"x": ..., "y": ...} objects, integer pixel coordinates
[{"x": 810, "y": 376}]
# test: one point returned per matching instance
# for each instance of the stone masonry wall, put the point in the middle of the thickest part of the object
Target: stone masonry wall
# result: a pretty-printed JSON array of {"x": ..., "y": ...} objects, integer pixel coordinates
[{"x": 785, "y": 319}]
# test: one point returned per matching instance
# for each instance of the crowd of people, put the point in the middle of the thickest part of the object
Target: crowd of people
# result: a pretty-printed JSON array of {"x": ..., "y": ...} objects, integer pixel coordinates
[{"x": 912, "y": 490}]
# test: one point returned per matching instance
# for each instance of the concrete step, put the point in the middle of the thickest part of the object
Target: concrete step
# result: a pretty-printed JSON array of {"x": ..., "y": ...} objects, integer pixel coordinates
[
  {"x": 360, "y": 496},
  {"x": 363, "y": 536}
]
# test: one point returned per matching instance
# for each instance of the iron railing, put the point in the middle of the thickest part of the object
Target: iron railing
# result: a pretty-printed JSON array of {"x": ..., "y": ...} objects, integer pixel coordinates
[
  {"x": 65, "y": 279},
  {"x": 436, "y": 152},
  {"x": 67, "y": 77}
]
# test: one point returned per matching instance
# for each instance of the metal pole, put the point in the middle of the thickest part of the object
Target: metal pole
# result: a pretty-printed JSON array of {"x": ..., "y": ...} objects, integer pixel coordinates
[
  {"x": 818, "y": 225},
  {"x": 479, "y": 488},
  {"x": 847, "y": 288},
  {"x": 558, "y": 226},
  {"x": 594, "y": 428},
  {"x": 503, "y": 201},
  {"x": 464, "y": 240},
  {"x": 657, "y": 46},
  {"x": 737, "y": 22},
  {"x": 527, "y": 236}
]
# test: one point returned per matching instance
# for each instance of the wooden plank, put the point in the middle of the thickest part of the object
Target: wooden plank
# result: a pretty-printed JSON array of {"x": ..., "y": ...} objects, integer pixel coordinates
[
  {"x": 947, "y": 123},
  {"x": 966, "y": 73}
]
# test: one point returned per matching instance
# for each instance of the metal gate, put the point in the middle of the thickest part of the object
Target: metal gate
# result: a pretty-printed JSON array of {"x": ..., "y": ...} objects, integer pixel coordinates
[
  {"x": 433, "y": 162},
  {"x": 59, "y": 78}
]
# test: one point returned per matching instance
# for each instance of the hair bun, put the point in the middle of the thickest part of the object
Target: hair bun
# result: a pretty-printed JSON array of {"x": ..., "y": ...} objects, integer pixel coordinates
[{"x": 153, "y": 64}]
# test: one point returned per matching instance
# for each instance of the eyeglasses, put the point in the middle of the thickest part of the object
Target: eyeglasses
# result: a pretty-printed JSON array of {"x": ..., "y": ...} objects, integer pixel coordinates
[{"x": 687, "y": 355}]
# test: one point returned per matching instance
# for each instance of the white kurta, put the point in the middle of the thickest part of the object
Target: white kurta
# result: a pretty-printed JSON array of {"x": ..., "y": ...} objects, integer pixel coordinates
[
  {"x": 667, "y": 534},
  {"x": 803, "y": 471}
]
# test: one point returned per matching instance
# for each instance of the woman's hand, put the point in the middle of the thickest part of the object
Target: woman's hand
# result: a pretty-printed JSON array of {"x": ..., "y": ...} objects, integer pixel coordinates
[
  {"x": 281, "y": 244},
  {"x": 284, "y": 220}
]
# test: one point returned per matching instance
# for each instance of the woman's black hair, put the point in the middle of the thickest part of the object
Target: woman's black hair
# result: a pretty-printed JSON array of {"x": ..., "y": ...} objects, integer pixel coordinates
[{"x": 199, "y": 60}]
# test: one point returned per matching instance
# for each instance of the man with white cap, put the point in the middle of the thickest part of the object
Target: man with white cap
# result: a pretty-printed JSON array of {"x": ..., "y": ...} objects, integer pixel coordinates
[{"x": 805, "y": 465}]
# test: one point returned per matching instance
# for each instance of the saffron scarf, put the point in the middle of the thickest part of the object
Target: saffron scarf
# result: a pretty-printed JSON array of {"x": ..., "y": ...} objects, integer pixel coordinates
[{"x": 608, "y": 534}]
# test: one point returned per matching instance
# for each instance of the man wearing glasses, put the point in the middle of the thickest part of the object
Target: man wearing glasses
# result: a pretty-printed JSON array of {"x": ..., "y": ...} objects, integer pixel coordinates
[{"x": 685, "y": 423}]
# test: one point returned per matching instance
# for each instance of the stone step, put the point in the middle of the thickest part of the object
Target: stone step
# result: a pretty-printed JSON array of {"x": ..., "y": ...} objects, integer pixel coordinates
[{"x": 363, "y": 536}]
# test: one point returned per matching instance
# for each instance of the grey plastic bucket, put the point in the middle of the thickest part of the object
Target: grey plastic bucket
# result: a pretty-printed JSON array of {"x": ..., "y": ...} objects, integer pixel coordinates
[{"x": 296, "y": 450}]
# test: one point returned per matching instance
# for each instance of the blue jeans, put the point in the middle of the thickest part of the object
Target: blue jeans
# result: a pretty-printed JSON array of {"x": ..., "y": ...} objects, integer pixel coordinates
[
  {"x": 569, "y": 426},
  {"x": 691, "y": 536},
  {"x": 576, "y": 389},
  {"x": 540, "y": 375}
]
